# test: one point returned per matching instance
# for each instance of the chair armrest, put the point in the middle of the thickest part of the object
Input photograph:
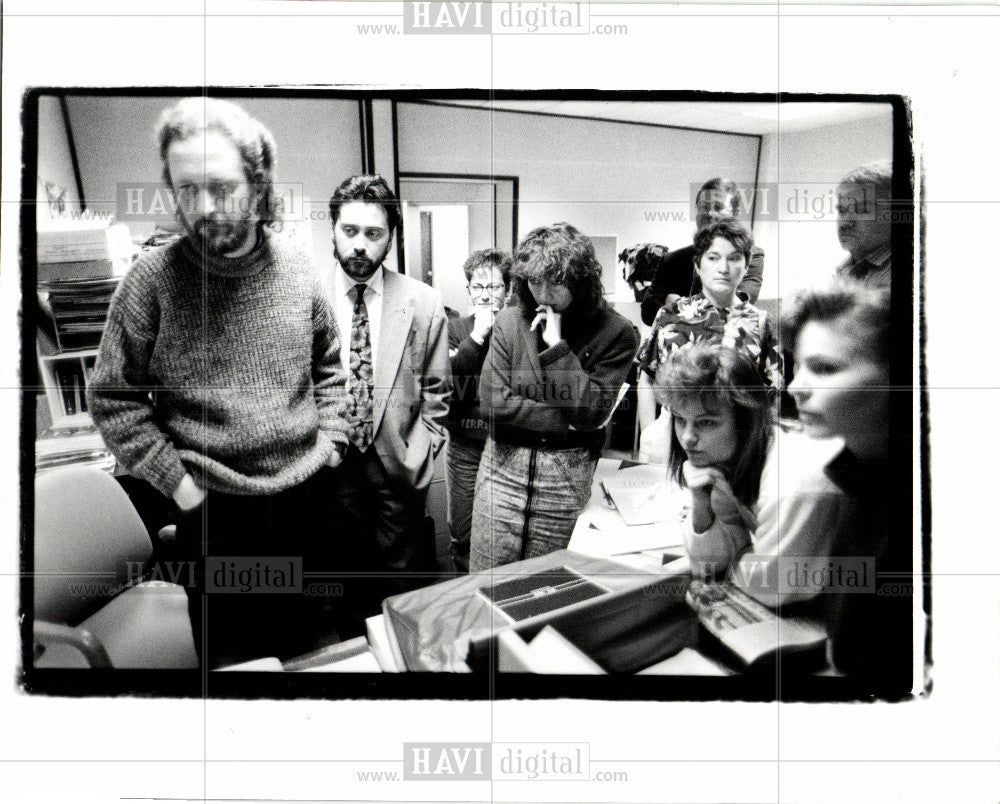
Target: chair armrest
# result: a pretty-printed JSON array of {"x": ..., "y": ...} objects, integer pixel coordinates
[{"x": 84, "y": 641}]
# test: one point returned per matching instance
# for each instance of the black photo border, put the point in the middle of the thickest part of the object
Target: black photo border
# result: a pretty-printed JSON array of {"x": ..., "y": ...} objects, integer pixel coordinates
[{"x": 458, "y": 686}]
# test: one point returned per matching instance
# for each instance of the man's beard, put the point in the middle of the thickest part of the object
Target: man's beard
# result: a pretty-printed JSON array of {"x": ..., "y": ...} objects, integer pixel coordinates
[
  {"x": 220, "y": 237},
  {"x": 357, "y": 266}
]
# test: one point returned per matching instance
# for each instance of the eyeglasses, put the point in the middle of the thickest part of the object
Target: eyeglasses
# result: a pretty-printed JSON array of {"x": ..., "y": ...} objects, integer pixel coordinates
[{"x": 477, "y": 290}]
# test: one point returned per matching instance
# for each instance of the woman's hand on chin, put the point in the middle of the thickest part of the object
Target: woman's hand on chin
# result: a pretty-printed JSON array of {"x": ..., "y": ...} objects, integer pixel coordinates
[
  {"x": 712, "y": 497},
  {"x": 702, "y": 478},
  {"x": 551, "y": 321}
]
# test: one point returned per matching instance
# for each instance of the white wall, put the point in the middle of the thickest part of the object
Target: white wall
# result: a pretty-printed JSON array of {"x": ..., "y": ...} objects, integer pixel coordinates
[
  {"x": 605, "y": 178},
  {"x": 801, "y": 243},
  {"x": 55, "y": 164},
  {"x": 318, "y": 146}
]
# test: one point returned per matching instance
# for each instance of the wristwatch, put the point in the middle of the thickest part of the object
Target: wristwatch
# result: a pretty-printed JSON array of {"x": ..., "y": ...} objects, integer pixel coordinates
[{"x": 341, "y": 448}]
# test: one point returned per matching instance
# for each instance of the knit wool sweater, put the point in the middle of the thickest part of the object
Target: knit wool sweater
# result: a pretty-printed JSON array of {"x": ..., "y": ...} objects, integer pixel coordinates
[{"x": 227, "y": 369}]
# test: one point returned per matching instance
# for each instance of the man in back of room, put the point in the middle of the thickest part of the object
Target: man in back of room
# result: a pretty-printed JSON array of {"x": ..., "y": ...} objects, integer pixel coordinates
[{"x": 864, "y": 224}]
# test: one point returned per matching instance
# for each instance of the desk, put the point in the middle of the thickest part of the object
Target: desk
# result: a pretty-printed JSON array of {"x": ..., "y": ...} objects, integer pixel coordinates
[{"x": 438, "y": 625}]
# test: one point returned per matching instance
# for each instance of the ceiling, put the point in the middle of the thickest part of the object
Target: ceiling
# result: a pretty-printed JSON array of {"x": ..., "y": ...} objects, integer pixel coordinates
[{"x": 737, "y": 117}]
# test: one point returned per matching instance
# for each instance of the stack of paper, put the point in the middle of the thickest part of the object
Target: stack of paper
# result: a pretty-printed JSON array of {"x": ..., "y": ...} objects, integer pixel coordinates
[
  {"x": 630, "y": 510},
  {"x": 640, "y": 494},
  {"x": 83, "y": 249}
]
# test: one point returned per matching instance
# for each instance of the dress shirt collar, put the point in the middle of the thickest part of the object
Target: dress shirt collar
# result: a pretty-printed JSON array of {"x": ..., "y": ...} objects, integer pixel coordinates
[{"x": 344, "y": 282}]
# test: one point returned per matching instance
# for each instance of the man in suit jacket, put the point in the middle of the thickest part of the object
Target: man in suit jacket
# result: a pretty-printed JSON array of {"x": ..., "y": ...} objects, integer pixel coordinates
[
  {"x": 716, "y": 199},
  {"x": 395, "y": 348}
]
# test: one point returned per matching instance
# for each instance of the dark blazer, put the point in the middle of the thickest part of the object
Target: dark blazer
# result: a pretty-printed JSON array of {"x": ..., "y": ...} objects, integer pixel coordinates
[
  {"x": 548, "y": 393},
  {"x": 675, "y": 274}
]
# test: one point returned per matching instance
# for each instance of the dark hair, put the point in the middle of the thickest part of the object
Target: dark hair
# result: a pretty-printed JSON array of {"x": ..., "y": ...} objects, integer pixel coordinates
[
  {"x": 559, "y": 253},
  {"x": 728, "y": 229},
  {"x": 640, "y": 262},
  {"x": 728, "y": 186},
  {"x": 370, "y": 189},
  {"x": 722, "y": 378},
  {"x": 191, "y": 117},
  {"x": 867, "y": 309},
  {"x": 489, "y": 258}
]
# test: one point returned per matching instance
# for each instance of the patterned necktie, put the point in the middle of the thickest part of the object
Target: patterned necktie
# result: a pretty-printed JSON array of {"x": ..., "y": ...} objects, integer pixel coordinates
[{"x": 360, "y": 415}]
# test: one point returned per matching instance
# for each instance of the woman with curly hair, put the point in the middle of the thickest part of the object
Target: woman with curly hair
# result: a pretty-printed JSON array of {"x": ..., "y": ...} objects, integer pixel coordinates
[
  {"x": 557, "y": 360},
  {"x": 718, "y": 314}
]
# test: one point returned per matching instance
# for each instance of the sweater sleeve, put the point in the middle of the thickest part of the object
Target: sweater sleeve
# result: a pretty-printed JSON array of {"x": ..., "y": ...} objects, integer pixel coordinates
[
  {"x": 119, "y": 395},
  {"x": 793, "y": 527},
  {"x": 500, "y": 403},
  {"x": 467, "y": 353},
  {"x": 716, "y": 549},
  {"x": 329, "y": 376},
  {"x": 585, "y": 395}
]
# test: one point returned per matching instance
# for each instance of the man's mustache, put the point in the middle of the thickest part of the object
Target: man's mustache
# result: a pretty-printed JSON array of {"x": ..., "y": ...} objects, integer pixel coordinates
[{"x": 211, "y": 224}]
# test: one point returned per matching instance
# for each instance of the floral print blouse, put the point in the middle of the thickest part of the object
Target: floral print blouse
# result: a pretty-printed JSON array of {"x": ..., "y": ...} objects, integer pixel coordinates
[{"x": 694, "y": 318}]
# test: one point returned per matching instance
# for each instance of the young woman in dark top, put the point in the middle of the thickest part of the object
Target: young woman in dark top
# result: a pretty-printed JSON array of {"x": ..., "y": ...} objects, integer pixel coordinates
[
  {"x": 558, "y": 357},
  {"x": 840, "y": 338}
]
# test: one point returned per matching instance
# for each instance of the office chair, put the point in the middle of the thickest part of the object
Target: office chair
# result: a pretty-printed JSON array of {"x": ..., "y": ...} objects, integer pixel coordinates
[{"x": 91, "y": 608}]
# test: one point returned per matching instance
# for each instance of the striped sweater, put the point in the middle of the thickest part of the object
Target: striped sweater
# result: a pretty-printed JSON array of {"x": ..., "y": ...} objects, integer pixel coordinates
[{"x": 227, "y": 369}]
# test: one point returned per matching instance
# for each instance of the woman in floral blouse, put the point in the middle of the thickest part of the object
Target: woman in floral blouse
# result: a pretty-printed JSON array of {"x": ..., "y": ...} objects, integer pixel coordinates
[{"x": 719, "y": 314}]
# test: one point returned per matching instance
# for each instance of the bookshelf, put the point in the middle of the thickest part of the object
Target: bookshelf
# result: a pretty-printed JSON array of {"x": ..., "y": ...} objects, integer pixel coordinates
[
  {"x": 79, "y": 265},
  {"x": 65, "y": 378}
]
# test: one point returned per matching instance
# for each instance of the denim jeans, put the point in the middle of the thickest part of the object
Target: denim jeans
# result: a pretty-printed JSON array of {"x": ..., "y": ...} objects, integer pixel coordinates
[
  {"x": 527, "y": 502},
  {"x": 462, "y": 459}
]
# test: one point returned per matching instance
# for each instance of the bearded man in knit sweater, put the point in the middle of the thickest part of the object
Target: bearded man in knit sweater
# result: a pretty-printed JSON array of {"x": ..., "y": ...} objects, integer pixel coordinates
[{"x": 219, "y": 382}]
